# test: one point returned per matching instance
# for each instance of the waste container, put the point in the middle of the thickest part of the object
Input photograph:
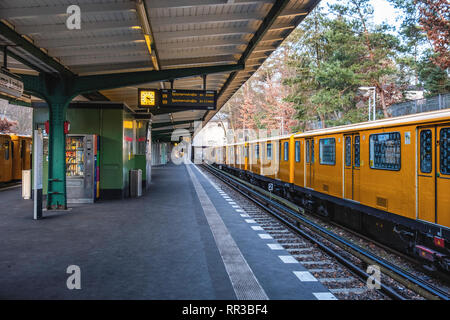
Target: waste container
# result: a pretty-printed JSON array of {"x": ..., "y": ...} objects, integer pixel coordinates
[
  {"x": 26, "y": 184},
  {"x": 135, "y": 183}
]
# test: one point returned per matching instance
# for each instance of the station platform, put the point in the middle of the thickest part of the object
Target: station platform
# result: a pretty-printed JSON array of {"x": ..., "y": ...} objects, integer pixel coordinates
[{"x": 181, "y": 240}]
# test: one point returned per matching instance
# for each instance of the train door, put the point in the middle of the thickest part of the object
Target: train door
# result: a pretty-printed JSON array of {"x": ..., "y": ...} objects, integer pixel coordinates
[
  {"x": 309, "y": 163},
  {"x": 443, "y": 176},
  {"x": 433, "y": 174},
  {"x": 352, "y": 166}
]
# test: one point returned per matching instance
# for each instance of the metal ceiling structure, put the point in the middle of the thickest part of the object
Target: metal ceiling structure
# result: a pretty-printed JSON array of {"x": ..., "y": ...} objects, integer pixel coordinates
[{"x": 123, "y": 36}]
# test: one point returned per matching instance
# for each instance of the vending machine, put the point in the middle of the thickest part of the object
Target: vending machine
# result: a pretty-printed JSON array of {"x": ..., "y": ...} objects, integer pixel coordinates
[{"x": 82, "y": 170}]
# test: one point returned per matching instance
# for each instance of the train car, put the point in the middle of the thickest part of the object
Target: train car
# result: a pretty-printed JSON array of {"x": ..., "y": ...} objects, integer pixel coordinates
[
  {"x": 21, "y": 155},
  {"x": 6, "y": 161},
  {"x": 389, "y": 179}
]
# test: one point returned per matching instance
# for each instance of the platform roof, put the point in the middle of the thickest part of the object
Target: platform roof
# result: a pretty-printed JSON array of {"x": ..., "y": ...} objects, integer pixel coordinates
[{"x": 122, "y": 36}]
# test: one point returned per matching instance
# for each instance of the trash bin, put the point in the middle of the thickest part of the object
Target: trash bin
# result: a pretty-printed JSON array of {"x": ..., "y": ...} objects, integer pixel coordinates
[
  {"x": 26, "y": 184},
  {"x": 135, "y": 183}
]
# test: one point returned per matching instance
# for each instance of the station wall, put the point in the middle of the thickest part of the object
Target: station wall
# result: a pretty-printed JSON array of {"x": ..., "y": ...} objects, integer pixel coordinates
[{"x": 123, "y": 143}]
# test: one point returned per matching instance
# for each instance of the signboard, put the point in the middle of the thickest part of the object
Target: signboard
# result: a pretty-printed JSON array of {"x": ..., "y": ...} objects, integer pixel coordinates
[
  {"x": 180, "y": 99},
  {"x": 10, "y": 86}
]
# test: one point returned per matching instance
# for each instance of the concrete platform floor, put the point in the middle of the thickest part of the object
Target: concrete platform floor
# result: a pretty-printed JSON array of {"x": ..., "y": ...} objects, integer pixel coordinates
[{"x": 159, "y": 246}]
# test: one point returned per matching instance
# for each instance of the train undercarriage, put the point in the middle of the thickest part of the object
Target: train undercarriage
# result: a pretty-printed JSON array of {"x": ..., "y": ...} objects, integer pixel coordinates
[{"x": 425, "y": 242}]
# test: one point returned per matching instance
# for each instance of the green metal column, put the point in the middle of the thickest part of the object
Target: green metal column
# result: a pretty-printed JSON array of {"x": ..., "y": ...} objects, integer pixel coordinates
[
  {"x": 59, "y": 89},
  {"x": 56, "y": 198}
]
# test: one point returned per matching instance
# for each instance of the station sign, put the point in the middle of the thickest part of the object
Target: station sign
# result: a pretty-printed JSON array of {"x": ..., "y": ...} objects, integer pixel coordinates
[
  {"x": 10, "y": 85},
  {"x": 180, "y": 99}
]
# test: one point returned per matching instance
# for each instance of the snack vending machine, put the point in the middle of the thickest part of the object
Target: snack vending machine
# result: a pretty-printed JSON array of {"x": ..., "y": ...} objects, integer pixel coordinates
[{"x": 82, "y": 169}]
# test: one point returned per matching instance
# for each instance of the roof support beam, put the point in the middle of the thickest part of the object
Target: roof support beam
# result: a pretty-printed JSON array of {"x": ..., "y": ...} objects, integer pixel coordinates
[
  {"x": 268, "y": 21},
  {"x": 111, "y": 81},
  {"x": 31, "y": 49}
]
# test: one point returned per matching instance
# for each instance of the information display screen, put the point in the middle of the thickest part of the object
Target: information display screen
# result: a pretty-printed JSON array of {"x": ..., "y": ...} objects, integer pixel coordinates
[
  {"x": 190, "y": 99},
  {"x": 180, "y": 99}
]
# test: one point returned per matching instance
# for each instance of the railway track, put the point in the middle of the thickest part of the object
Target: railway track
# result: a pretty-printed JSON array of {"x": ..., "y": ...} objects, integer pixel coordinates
[{"x": 335, "y": 261}]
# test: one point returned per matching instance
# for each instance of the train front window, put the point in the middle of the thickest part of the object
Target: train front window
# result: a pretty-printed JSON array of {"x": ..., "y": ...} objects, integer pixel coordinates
[
  {"x": 444, "y": 143},
  {"x": 269, "y": 151},
  {"x": 286, "y": 151},
  {"x": 357, "y": 151},
  {"x": 6, "y": 150},
  {"x": 348, "y": 151},
  {"x": 257, "y": 151},
  {"x": 297, "y": 151},
  {"x": 22, "y": 149},
  {"x": 327, "y": 151},
  {"x": 279, "y": 151},
  {"x": 426, "y": 147},
  {"x": 385, "y": 151},
  {"x": 307, "y": 151}
]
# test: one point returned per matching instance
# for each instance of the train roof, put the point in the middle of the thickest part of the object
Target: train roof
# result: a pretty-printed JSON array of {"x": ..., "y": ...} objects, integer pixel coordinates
[
  {"x": 424, "y": 117},
  {"x": 390, "y": 122}
]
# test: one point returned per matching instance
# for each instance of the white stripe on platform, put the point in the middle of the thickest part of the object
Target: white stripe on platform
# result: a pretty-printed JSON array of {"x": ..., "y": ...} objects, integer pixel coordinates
[
  {"x": 275, "y": 246},
  {"x": 257, "y": 228},
  {"x": 288, "y": 259},
  {"x": 250, "y": 221},
  {"x": 265, "y": 236},
  {"x": 243, "y": 280},
  {"x": 305, "y": 276},
  {"x": 324, "y": 296}
]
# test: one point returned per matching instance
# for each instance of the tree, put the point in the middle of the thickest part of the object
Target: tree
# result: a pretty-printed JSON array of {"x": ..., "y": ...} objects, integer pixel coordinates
[
  {"x": 425, "y": 33},
  {"x": 435, "y": 20},
  {"x": 7, "y": 126}
]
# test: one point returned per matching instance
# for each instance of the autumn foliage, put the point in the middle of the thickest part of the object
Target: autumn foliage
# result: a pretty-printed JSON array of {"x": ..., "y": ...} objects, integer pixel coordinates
[{"x": 435, "y": 22}]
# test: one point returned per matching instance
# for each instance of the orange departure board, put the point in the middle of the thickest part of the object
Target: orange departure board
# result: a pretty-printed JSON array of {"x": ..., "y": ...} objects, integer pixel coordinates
[{"x": 179, "y": 99}]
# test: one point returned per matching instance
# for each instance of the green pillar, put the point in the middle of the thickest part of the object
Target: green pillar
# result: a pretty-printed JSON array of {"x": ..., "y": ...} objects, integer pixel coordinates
[{"x": 56, "y": 197}]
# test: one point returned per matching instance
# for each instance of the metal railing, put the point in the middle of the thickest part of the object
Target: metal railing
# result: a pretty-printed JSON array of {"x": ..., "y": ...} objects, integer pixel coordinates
[{"x": 435, "y": 103}]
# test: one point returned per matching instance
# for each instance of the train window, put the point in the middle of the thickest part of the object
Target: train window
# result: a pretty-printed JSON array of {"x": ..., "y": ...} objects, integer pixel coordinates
[
  {"x": 348, "y": 151},
  {"x": 385, "y": 151},
  {"x": 6, "y": 150},
  {"x": 269, "y": 151},
  {"x": 257, "y": 151},
  {"x": 22, "y": 149},
  {"x": 445, "y": 150},
  {"x": 307, "y": 151},
  {"x": 357, "y": 151},
  {"x": 297, "y": 151},
  {"x": 286, "y": 151},
  {"x": 327, "y": 151},
  {"x": 246, "y": 151},
  {"x": 312, "y": 151},
  {"x": 426, "y": 151},
  {"x": 279, "y": 150}
]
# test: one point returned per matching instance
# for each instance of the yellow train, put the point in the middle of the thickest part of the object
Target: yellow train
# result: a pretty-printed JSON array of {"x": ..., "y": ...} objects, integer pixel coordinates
[
  {"x": 15, "y": 156},
  {"x": 389, "y": 179}
]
